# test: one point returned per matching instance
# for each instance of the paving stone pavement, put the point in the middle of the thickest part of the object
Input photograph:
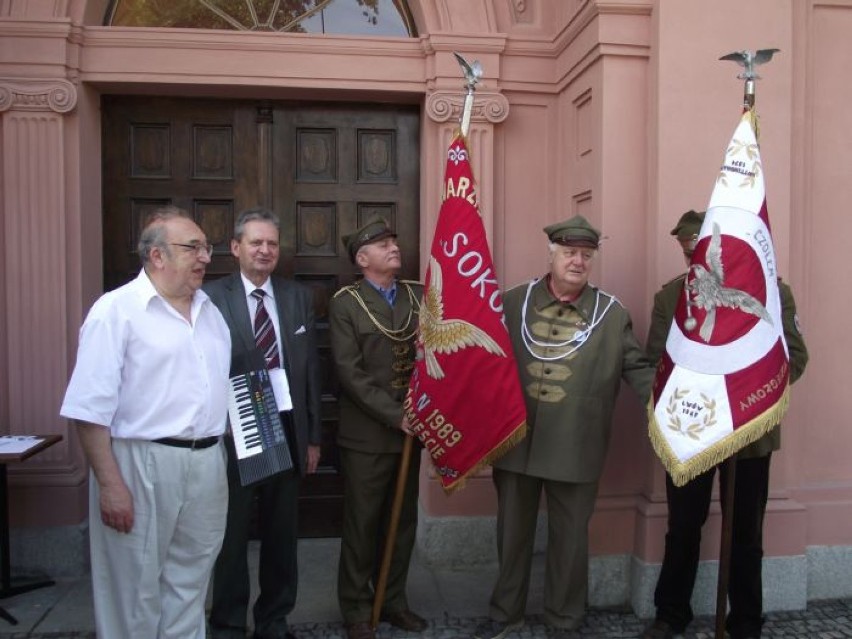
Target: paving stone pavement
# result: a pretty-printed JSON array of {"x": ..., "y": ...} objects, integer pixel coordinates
[
  {"x": 454, "y": 600},
  {"x": 830, "y": 619}
]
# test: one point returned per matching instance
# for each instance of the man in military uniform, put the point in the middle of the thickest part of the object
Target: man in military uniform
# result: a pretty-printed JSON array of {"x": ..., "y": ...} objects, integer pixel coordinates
[
  {"x": 373, "y": 326},
  {"x": 573, "y": 343},
  {"x": 689, "y": 504},
  {"x": 665, "y": 300}
]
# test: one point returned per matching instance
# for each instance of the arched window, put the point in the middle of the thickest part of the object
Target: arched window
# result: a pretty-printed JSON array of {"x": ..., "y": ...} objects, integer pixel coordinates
[{"x": 354, "y": 17}]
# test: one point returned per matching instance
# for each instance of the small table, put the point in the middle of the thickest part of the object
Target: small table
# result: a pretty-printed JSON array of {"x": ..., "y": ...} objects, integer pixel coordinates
[{"x": 6, "y": 587}]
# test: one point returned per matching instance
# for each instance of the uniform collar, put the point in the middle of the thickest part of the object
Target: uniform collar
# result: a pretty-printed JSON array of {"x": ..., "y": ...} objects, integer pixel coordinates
[{"x": 584, "y": 304}]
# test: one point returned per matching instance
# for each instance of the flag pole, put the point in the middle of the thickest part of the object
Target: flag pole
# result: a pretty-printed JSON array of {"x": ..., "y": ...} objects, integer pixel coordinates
[
  {"x": 472, "y": 74},
  {"x": 390, "y": 539},
  {"x": 748, "y": 59},
  {"x": 730, "y": 471}
]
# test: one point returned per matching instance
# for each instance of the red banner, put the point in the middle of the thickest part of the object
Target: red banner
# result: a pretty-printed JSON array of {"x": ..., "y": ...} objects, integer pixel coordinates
[{"x": 464, "y": 401}]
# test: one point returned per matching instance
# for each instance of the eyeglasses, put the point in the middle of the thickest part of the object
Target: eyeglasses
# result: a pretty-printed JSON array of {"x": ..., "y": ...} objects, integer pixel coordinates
[{"x": 199, "y": 249}]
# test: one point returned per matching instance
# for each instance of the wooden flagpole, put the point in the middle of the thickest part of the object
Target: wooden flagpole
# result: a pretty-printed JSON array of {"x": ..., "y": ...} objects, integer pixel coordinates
[
  {"x": 472, "y": 74},
  {"x": 729, "y": 468},
  {"x": 387, "y": 555}
]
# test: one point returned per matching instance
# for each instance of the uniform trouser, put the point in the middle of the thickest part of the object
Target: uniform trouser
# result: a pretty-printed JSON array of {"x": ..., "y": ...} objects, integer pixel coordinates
[
  {"x": 152, "y": 581},
  {"x": 277, "y": 564},
  {"x": 369, "y": 481},
  {"x": 688, "y": 508},
  {"x": 569, "y": 507}
]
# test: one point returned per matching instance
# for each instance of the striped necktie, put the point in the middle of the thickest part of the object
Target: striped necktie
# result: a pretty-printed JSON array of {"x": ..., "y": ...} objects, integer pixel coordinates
[{"x": 264, "y": 332}]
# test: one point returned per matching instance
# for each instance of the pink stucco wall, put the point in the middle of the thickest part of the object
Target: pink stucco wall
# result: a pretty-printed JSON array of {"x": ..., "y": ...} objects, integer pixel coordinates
[{"x": 617, "y": 110}]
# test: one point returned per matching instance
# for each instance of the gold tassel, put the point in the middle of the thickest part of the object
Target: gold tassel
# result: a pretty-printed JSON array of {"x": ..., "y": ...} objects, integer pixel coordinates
[
  {"x": 754, "y": 121},
  {"x": 683, "y": 472}
]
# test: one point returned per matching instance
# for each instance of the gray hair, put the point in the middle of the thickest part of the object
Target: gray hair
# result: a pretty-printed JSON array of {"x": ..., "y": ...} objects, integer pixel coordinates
[
  {"x": 255, "y": 214},
  {"x": 154, "y": 232}
]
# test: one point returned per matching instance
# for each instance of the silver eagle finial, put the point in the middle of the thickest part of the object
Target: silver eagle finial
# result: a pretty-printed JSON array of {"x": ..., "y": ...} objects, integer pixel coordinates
[
  {"x": 709, "y": 292},
  {"x": 750, "y": 59},
  {"x": 472, "y": 72},
  {"x": 472, "y": 75}
]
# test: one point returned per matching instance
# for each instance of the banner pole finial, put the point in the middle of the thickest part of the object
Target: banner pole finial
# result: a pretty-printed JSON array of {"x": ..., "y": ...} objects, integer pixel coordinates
[
  {"x": 749, "y": 60},
  {"x": 472, "y": 75}
]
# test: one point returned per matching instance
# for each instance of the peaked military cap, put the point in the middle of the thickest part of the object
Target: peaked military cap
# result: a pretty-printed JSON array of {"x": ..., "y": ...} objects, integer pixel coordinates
[
  {"x": 575, "y": 231},
  {"x": 375, "y": 229},
  {"x": 689, "y": 225}
]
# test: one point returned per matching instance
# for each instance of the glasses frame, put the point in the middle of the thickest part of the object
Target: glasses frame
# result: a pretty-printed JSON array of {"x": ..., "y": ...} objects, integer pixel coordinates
[{"x": 199, "y": 249}]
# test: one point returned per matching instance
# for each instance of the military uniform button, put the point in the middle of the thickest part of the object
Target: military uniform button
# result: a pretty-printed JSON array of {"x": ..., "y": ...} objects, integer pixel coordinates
[
  {"x": 560, "y": 312},
  {"x": 555, "y": 332},
  {"x": 543, "y": 393},
  {"x": 547, "y": 371}
]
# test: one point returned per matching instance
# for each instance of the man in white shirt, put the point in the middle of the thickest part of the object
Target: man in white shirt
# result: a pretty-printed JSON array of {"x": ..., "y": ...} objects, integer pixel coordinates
[{"x": 149, "y": 398}]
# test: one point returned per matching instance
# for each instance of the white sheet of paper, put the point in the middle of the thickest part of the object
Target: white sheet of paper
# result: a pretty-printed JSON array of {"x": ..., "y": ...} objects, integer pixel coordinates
[
  {"x": 21, "y": 443},
  {"x": 281, "y": 389}
]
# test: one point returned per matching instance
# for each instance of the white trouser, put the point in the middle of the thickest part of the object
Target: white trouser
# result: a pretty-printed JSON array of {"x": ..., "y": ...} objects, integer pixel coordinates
[{"x": 152, "y": 581}]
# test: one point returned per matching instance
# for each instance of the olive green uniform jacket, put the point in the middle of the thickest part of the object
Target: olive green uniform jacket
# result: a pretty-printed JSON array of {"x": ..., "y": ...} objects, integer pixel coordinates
[
  {"x": 373, "y": 369},
  {"x": 665, "y": 304},
  {"x": 570, "y": 401}
]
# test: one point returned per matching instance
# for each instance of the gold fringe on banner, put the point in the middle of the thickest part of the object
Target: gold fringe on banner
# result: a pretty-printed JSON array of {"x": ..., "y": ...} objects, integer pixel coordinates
[
  {"x": 501, "y": 449},
  {"x": 683, "y": 472}
]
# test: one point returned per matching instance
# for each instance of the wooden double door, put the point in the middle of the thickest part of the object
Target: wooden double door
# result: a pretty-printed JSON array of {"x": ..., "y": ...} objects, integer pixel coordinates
[{"x": 323, "y": 168}]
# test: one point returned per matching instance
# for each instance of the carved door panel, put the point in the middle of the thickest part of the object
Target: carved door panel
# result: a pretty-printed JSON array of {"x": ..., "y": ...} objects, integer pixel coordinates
[
  {"x": 324, "y": 169},
  {"x": 199, "y": 155},
  {"x": 335, "y": 167}
]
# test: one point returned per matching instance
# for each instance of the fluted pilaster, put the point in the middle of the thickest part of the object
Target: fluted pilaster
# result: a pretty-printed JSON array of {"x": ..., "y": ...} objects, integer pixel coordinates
[{"x": 34, "y": 257}]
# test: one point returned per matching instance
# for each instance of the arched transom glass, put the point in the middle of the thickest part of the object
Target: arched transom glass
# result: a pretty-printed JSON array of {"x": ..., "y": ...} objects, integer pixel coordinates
[{"x": 357, "y": 17}]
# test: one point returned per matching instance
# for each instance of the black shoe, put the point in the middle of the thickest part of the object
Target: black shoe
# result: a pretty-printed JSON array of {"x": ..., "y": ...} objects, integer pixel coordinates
[
  {"x": 661, "y": 630},
  {"x": 496, "y": 629},
  {"x": 405, "y": 620}
]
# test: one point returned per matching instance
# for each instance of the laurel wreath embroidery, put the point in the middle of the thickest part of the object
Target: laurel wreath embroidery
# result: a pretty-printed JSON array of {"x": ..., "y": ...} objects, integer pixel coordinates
[
  {"x": 738, "y": 146},
  {"x": 693, "y": 429},
  {"x": 750, "y": 180},
  {"x": 751, "y": 152}
]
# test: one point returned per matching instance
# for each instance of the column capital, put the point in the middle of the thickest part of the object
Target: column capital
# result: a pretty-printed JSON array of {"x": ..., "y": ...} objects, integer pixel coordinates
[
  {"x": 37, "y": 94},
  {"x": 488, "y": 106}
]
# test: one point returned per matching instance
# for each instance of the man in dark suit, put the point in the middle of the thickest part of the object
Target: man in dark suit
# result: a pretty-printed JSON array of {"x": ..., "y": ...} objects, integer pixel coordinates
[
  {"x": 373, "y": 325},
  {"x": 293, "y": 364}
]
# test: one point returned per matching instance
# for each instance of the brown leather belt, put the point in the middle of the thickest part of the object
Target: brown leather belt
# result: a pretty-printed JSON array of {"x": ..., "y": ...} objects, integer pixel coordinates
[{"x": 192, "y": 444}]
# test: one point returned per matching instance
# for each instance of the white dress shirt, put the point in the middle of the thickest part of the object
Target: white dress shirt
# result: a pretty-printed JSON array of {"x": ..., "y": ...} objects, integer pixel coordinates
[
  {"x": 277, "y": 376},
  {"x": 146, "y": 372},
  {"x": 268, "y": 303}
]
